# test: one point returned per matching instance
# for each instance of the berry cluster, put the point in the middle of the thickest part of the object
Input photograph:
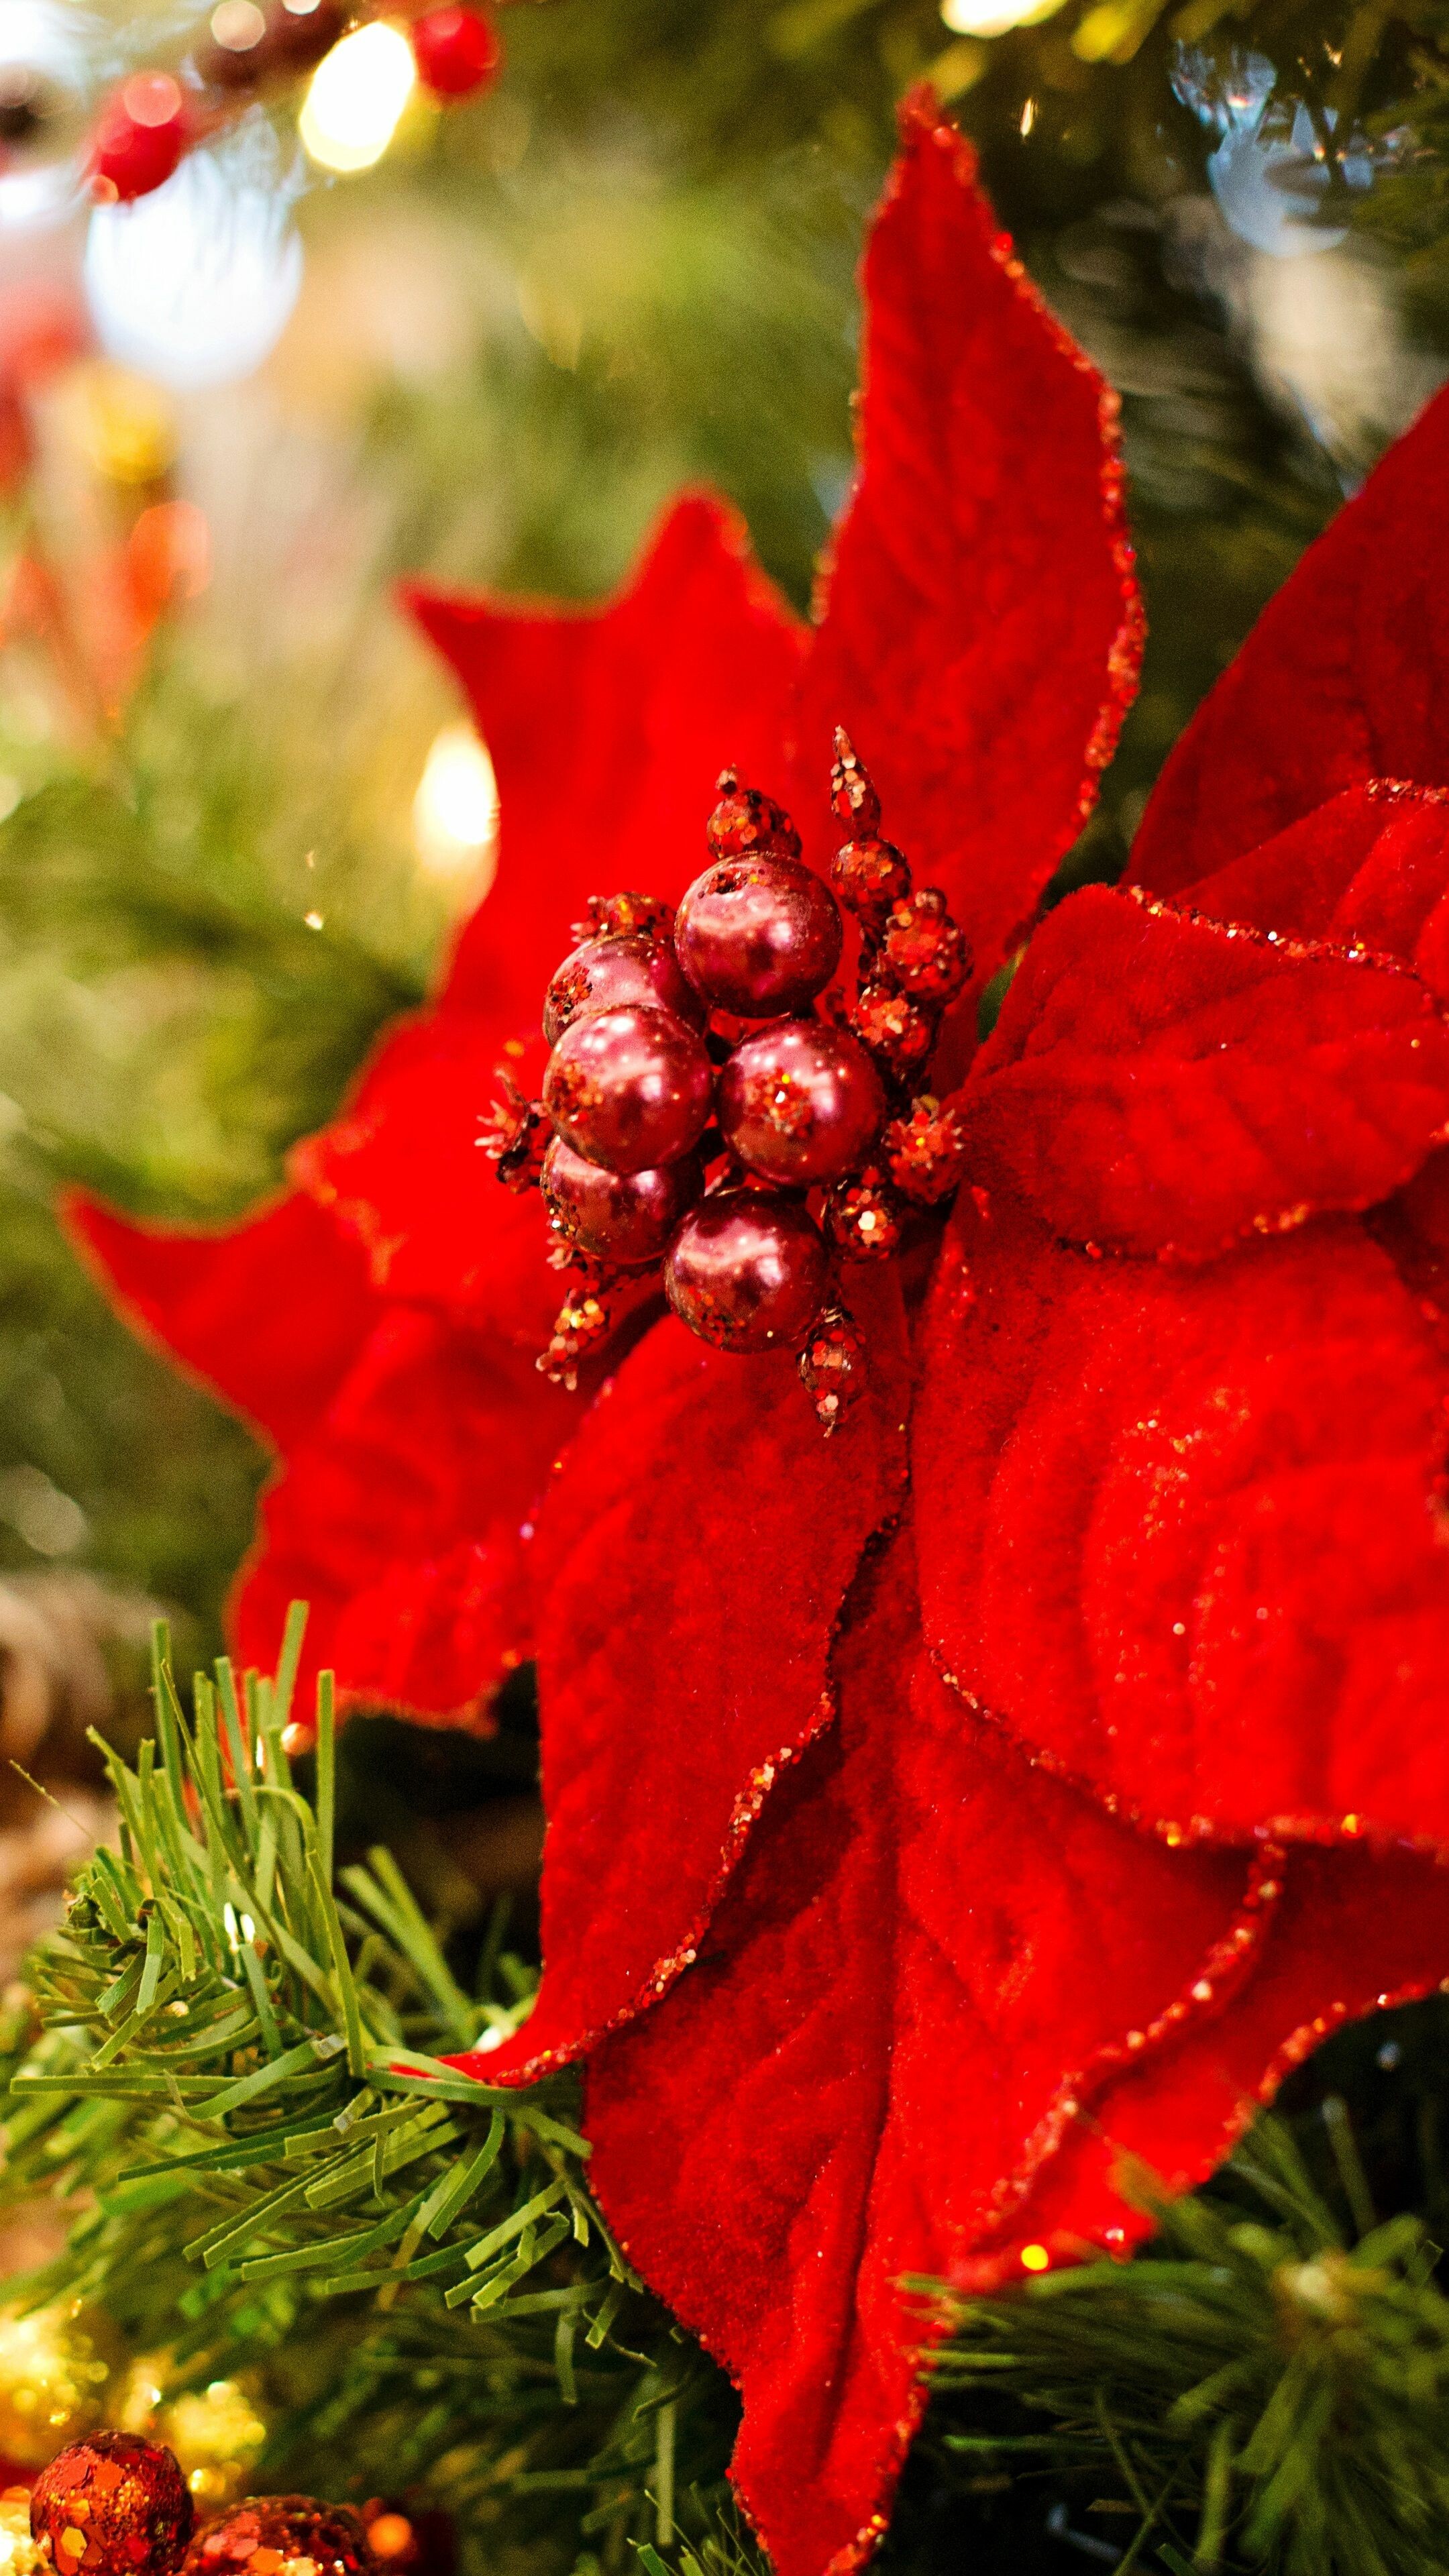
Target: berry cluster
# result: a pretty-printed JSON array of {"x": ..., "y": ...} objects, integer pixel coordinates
[
  {"x": 117, "y": 2504},
  {"x": 713, "y": 1104}
]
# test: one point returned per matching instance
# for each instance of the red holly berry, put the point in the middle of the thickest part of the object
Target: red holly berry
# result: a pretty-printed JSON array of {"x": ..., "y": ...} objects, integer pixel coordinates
[
  {"x": 870, "y": 875},
  {"x": 922, "y": 949},
  {"x": 273, "y": 2535},
  {"x": 629, "y": 1088},
  {"x": 115, "y": 2504},
  {"x": 759, "y": 936},
  {"x": 832, "y": 1366},
  {"x": 852, "y": 797},
  {"x": 621, "y": 1217},
  {"x": 456, "y": 52},
  {"x": 746, "y": 824},
  {"x": 799, "y": 1102},
  {"x": 925, "y": 1151},
  {"x": 864, "y": 1218},
  {"x": 139, "y": 137},
  {"x": 899, "y": 1031},
  {"x": 604, "y": 974},
  {"x": 747, "y": 1271}
]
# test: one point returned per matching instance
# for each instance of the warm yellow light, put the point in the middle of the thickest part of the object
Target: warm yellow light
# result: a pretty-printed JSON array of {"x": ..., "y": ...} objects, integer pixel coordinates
[
  {"x": 455, "y": 811},
  {"x": 358, "y": 93},
  {"x": 1034, "y": 2258},
  {"x": 993, "y": 17}
]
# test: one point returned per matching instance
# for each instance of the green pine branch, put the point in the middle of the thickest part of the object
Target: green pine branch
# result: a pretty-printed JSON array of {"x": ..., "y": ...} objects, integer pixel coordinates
[{"x": 228, "y": 2073}]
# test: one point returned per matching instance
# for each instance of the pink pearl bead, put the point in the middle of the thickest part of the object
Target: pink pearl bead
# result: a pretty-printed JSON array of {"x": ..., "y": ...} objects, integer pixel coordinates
[
  {"x": 631, "y": 1088},
  {"x": 624, "y": 1217},
  {"x": 747, "y": 1272},
  {"x": 604, "y": 974},
  {"x": 800, "y": 1102},
  {"x": 759, "y": 936}
]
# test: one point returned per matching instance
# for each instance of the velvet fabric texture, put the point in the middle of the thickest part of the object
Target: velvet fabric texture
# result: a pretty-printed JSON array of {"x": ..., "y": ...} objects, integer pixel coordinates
[{"x": 1112, "y": 1628}]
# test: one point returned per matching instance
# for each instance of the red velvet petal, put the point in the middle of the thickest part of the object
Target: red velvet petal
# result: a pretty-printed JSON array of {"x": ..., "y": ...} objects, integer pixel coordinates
[
  {"x": 693, "y": 1560},
  {"x": 402, "y": 1168},
  {"x": 1181, "y": 1532},
  {"x": 1345, "y": 677},
  {"x": 1159, "y": 1082},
  {"x": 269, "y": 1313},
  {"x": 880, "y": 2031},
  {"x": 1371, "y": 866},
  {"x": 982, "y": 632},
  {"x": 401, "y": 1522},
  {"x": 607, "y": 729},
  {"x": 1352, "y": 1932}
]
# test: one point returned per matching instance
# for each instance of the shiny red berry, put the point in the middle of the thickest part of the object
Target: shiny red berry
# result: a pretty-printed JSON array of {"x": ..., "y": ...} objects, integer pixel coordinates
[
  {"x": 455, "y": 50},
  {"x": 922, "y": 948},
  {"x": 747, "y": 1272},
  {"x": 759, "y": 936},
  {"x": 139, "y": 137},
  {"x": 605, "y": 974},
  {"x": 630, "y": 1088},
  {"x": 899, "y": 1031},
  {"x": 864, "y": 1217},
  {"x": 622, "y": 1217},
  {"x": 799, "y": 1102},
  {"x": 745, "y": 823},
  {"x": 869, "y": 876}
]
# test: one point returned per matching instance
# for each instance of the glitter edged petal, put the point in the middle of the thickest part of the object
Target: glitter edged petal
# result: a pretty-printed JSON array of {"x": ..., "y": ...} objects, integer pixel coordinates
[
  {"x": 982, "y": 631},
  {"x": 1344, "y": 678},
  {"x": 693, "y": 1558},
  {"x": 1182, "y": 1531},
  {"x": 1159, "y": 1082}
]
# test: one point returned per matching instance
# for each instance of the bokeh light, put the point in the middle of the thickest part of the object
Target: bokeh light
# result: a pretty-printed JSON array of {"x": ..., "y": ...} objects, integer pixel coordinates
[
  {"x": 993, "y": 17},
  {"x": 193, "y": 285},
  {"x": 455, "y": 811},
  {"x": 358, "y": 93}
]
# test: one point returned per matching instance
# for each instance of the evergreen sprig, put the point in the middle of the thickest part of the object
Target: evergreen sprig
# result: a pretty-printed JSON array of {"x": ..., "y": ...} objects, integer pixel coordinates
[
  {"x": 229, "y": 2072},
  {"x": 1266, "y": 2388}
]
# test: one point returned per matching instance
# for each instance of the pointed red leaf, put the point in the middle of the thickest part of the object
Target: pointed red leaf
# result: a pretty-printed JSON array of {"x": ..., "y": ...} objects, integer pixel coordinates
[
  {"x": 870, "y": 2057},
  {"x": 402, "y": 1168},
  {"x": 1181, "y": 1531},
  {"x": 1345, "y": 677},
  {"x": 607, "y": 729},
  {"x": 693, "y": 1561},
  {"x": 982, "y": 630},
  {"x": 269, "y": 1314},
  {"x": 401, "y": 1521},
  {"x": 1160, "y": 1082}
]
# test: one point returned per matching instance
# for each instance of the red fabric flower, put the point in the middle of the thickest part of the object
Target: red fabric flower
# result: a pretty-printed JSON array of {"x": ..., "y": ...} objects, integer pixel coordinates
[{"x": 1034, "y": 1772}]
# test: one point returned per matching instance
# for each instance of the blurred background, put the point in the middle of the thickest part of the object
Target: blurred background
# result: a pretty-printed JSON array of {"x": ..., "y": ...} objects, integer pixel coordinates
[{"x": 240, "y": 807}]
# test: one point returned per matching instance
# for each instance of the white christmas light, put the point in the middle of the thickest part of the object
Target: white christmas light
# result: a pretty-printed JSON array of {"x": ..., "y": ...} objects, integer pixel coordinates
[
  {"x": 455, "y": 811},
  {"x": 993, "y": 17},
  {"x": 358, "y": 93}
]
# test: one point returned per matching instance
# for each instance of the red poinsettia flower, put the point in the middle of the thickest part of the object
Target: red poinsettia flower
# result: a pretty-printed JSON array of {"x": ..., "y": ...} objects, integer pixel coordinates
[{"x": 1034, "y": 1771}]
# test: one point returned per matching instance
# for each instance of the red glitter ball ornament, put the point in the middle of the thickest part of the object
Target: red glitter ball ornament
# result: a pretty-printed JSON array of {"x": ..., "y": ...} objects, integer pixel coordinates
[
  {"x": 925, "y": 1151},
  {"x": 456, "y": 52},
  {"x": 605, "y": 974},
  {"x": 864, "y": 1217},
  {"x": 581, "y": 1326},
  {"x": 614, "y": 916},
  {"x": 799, "y": 1102},
  {"x": 113, "y": 2505},
  {"x": 622, "y": 1217},
  {"x": 853, "y": 799},
  {"x": 747, "y": 1271},
  {"x": 832, "y": 1367},
  {"x": 759, "y": 936},
  {"x": 745, "y": 823},
  {"x": 289, "y": 2535},
  {"x": 630, "y": 1088},
  {"x": 922, "y": 948},
  {"x": 139, "y": 137},
  {"x": 899, "y": 1031}
]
